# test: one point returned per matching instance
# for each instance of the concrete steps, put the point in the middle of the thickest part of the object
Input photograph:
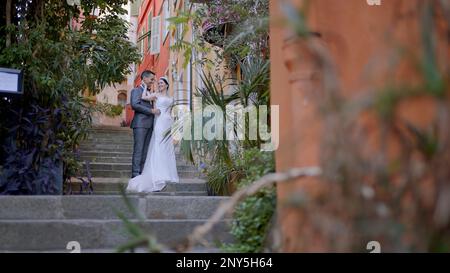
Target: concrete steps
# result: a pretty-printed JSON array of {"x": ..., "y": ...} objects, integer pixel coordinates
[
  {"x": 107, "y": 166},
  {"x": 112, "y": 250},
  {"x": 104, "y": 156},
  {"x": 95, "y": 234},
  {"x": 48, "y": 223},
  {"x": 105, "y": 184},
  {"x": 127, "y": 174},
  {"x": 109, "y": 153},
  {"x": 106, "y": 207},
  {"x": 43, "y": 223},
  {"x": 178, "y": 193}
]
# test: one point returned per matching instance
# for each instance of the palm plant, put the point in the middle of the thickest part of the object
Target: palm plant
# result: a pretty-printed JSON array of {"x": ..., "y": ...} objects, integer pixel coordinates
[{"x": 252, "y": 89}]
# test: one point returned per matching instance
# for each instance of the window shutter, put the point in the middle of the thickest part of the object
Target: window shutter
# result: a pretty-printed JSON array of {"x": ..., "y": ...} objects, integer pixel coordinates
[
  {"x": 156, "y": 35},
  {"x": 142, "y": 42},
  {"x": 149, "y": 28},
  {"x": 166, "y": 16}
]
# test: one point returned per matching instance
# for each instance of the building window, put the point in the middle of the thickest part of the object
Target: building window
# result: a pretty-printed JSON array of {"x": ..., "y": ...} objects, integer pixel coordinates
[
  {"x": 166, "y": 8},
  {"x": 156, "y": 35},
  {"x": 122, "y": 99},
  {"x": 142, "y": 42},
  {"x": 149, "y": 27},
  {"x": 138, "y": 42}
]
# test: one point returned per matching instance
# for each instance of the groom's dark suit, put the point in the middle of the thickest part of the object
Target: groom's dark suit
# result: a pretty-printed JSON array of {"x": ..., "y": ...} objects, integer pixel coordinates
[{"x": 142, "y": 125}]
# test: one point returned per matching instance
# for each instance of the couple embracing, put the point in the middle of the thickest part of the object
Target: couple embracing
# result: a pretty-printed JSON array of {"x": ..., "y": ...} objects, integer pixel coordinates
[{"x": 153, "y": 163}]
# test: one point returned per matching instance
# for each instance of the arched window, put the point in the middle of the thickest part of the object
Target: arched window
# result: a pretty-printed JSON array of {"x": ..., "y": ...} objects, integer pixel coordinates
[{"x": 122, "y": 99}]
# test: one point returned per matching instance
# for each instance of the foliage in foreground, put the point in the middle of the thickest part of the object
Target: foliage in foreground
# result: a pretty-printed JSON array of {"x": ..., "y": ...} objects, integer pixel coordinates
[
  {"x": 41, "y": 130},
  {"x": 386, "y": 175},
  {"x": 252, "y": 217}
]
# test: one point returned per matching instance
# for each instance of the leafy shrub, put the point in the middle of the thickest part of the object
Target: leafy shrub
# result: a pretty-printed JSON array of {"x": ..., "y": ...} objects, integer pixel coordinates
[
  {"x": 108, "y": 109},
  {"x": 116, "y": 110},
  {"x": 30, "y": 168},
  {"x": 60, "y": 64},
  {"x": 252, "y": 216},
  {"x": 111, "y": 110},
  {"x": 217, "y": 179}
]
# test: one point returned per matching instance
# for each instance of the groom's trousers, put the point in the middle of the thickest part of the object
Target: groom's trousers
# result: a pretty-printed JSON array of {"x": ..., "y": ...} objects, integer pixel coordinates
[{"x": 142, "y": 138}]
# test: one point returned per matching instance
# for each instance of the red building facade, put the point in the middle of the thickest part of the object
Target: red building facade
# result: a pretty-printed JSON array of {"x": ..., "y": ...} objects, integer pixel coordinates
[
  {"x": 153, "y": 40},
  {"x": 153, "y": 37}
]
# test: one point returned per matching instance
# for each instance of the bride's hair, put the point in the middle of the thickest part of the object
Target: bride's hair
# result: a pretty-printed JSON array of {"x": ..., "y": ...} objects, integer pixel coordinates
[{"x": 165, "y": 80}]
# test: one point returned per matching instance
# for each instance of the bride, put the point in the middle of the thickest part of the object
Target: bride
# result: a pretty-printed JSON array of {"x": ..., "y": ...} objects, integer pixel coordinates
[{"x": 160, "y": 166}]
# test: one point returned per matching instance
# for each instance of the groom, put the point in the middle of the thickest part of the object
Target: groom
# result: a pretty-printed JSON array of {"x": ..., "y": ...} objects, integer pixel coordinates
[{"x": 142, "y": 123}]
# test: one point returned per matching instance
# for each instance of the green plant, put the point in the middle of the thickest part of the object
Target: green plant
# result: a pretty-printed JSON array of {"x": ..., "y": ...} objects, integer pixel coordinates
[
  {"x": 60, "y": 63},
  {"x": 239, "y": 29},
  {"x": 186, "y": 18},
  {"x": 139, "y": 238},
  {"x": 251, "y": 221},
  {"x": 222, "y": 179},
  {"x": 252, "y": 217},
  {"x": 108, "y": 109},
  {"x": 252, "y": 89}
]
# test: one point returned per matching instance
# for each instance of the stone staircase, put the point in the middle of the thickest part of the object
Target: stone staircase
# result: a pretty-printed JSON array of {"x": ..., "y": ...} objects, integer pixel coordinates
[
  {"x": 109, "y": 151},
  {"x": 48, "y": 223}
]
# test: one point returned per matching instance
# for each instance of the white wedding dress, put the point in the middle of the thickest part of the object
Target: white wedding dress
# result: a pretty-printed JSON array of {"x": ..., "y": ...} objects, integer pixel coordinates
[{"x": 160, "y": 165}]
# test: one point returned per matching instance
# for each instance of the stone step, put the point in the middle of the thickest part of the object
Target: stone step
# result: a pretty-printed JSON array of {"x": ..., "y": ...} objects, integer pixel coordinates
[
  {"x": 103, "y": 166},
  {"x": 101, "y": 207},
  {"x": 111, "y": 135},
  {"x": 199, "y": 249},
  {"x": 36, "y": 235},
  {"x": 111, "y": 132},
  {"x": 122, "y": 130},
  {"x": 106, "y": 154},
  {"x": 106, "y": 159},
  {"x": 105, "y": 146},
  {"x": 127, "y": 173},
  {"x": 106, "y": 184},
  {"x": 107, "y": 150},
  {"x": 117, "y": 192},
  {"x": 111, "y": 152},
  {"x": 103, "y": 159},
  {"x": 109, "y": 128},
  {"x": 90, "y": 141},
  {"x": 35, "y": 223},
  {"x": 126, "y": 137},
  {"x": 94, "y": 156}
]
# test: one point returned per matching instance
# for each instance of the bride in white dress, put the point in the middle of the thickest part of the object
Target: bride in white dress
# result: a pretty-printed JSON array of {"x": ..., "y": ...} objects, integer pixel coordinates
[{"x": 160, "y": 165}]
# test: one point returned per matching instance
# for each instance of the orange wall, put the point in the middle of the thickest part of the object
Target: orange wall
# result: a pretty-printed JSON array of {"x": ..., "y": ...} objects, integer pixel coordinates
[
  {"x": 157, "y": 63},
  {"x": 357, "y": 35}
]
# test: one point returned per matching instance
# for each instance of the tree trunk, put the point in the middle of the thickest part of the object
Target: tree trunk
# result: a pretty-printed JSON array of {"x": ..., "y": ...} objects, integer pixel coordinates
[{"x": 8, "y": 22}]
